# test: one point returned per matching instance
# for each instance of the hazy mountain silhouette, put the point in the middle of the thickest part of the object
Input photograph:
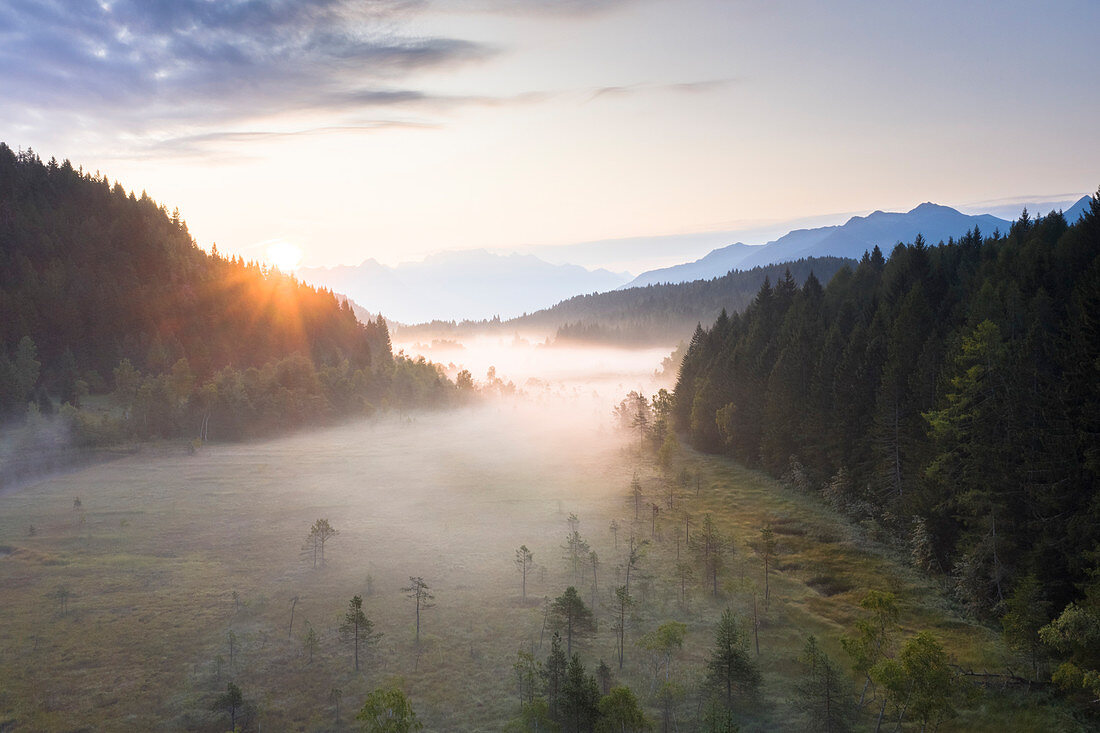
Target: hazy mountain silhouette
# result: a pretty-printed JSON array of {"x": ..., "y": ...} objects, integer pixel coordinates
[{"x": 472, "y": 284}]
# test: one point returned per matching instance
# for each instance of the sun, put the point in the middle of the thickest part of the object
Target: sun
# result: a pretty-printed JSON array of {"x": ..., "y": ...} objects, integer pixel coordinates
[{"x": 284, "y": 255}]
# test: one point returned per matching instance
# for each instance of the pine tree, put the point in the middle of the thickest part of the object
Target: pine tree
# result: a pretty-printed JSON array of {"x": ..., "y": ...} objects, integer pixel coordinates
[
  {"x": 358, "y": 627},
  {"x": 731, "y": 672}
]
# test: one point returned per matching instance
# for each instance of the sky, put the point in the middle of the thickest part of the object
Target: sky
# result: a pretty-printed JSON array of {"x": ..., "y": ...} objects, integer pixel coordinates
[{"x": 393, "y": 129}]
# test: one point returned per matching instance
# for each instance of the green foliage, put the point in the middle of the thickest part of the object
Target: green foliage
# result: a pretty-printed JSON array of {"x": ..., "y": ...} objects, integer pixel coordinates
[
  {"x": 919, "y": 684},
  {"x": 874, "y": 636},
  {"x": 527, "y": 674},
  {"x": 1075, "y": 634},
  {"x": 387, "y": 710},
  {"x": 661, "y": 643},
  {"x": 731, "y": 673},
  {"x": 535, "y": 717},
  {"x": 568, "y": 613},
  {"x": 620, "y": 712},
  {"x": 1026, "y": 612},
  {"x": 580, "y": 698},
  {"x": 824, "y": 692}
]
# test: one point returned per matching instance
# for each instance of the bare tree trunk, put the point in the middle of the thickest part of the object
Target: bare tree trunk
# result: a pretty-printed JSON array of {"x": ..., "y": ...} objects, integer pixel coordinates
[
  {"x": 290, "y": 629},
  {"x": 767, "y": 590},
  {"x": 755, "y": 625}
]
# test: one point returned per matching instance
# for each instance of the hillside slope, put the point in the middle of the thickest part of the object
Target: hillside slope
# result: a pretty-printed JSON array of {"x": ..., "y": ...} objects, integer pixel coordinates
[{"x": 103, "y": 292}]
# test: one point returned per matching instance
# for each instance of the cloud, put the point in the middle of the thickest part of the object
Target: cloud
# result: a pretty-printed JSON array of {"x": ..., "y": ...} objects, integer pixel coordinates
[
  {"x": 200, "y": 145},
  {"x": 532, "y": 7},
  {"x": 691, "y": 87},
  {"x": 150, "y": 66}
]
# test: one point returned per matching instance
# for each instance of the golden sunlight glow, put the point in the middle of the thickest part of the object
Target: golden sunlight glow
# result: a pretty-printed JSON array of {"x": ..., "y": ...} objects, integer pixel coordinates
[{"x": 284, "y": 255}]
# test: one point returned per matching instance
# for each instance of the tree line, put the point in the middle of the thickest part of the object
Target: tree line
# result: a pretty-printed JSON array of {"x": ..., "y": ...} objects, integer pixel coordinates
[{"x": 946, "y": 397}]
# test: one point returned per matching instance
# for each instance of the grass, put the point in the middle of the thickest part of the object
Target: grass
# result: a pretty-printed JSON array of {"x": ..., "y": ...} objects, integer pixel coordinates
[{"x": 152, "y": 559}]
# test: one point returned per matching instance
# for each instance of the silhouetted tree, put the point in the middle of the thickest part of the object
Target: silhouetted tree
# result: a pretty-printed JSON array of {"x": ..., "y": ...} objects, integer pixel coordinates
[
  {"x": 320, "y": 533},
  {"x": 357, "y": 626},
  {"x": 569, "y": 614},
  {"x": 310, "y": 641},
  {"x": 418, "y": 590},
  {"x": 524, "y": 558},
  {"x": 623, "y": 601}
]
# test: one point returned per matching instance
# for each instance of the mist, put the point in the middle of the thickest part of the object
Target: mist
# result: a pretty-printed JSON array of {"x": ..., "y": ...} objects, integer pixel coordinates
[
  {"x": 601, "y": 374},
  {"x": 164, "y": 554}
]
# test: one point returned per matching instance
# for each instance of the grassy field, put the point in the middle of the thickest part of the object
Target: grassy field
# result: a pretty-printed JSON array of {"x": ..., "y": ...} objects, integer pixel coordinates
[{"x": 176, "y": 574}]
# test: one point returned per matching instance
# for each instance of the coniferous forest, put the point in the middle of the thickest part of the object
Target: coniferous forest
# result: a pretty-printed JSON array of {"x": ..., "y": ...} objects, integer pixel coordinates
[
  {"x": 948, "y": 397},
  {"x": 106, "y": 293}
]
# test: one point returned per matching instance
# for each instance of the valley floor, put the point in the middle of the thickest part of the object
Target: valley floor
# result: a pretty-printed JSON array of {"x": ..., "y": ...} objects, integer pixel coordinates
[{"x": 133, "y": 607}]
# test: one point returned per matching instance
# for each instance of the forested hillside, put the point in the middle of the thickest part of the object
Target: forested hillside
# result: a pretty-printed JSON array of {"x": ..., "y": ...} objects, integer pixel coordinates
[
  {"x": 949, "y": 397},
  {"x": 104, "y": 292},
  {"x": 654, "y": 314}
]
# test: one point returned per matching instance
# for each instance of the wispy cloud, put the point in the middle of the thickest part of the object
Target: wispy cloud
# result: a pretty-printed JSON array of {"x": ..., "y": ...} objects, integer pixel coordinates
[
  {"x": 201, "y": 144},
  {"x": 692, "y": 87},
  {"x": 148, "y": 66}
]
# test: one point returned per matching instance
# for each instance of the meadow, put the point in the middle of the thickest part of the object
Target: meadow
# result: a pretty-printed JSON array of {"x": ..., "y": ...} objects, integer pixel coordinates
[{"x": 134, "y": 590}]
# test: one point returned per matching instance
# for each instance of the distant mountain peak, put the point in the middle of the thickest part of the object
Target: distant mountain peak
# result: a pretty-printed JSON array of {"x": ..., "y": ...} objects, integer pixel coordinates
[
  {"x": 928, "y": 207},
  {"x": 859, "y": 234}
]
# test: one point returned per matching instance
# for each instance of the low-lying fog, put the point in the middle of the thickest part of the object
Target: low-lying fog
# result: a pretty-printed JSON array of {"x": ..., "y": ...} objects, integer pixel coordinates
[
  {"x": 536, "y": 367},
  {"x": 169, "y": 554}
]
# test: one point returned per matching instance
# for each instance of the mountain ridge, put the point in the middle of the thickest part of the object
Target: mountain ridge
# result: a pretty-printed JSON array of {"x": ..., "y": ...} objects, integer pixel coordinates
[{"x": 935, "y": 222}]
